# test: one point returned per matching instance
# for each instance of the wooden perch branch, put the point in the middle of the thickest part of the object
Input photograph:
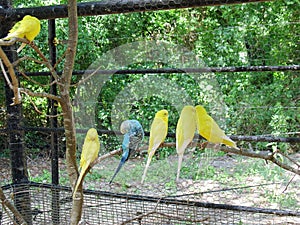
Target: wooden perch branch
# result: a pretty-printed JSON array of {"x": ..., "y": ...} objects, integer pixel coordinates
[
  {"x": 11, "y": 207},
  {"x": 266, "y": 155},
  {"x": 10, "y": 42},
  {"x": 108, "y": 155}
]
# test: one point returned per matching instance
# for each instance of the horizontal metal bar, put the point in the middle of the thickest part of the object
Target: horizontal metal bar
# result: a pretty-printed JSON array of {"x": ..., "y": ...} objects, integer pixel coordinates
[
  {"x": 166, "y": 200},
  {"x": 179, "y": 70},
  {"x": 112, "y": 7}
]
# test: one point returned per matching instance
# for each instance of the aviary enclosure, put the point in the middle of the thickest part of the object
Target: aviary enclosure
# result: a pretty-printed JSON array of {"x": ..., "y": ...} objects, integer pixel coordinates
[{"x": 156, "y": 69}]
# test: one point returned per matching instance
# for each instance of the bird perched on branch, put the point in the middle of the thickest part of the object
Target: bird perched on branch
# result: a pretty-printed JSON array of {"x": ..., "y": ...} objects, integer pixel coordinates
[
  {"x": 29, "y": 27},
  {"x": 133, "y": 136},
  {"x": 158, "y": 133},
  {"x": 89, "y": 154},
  {"x": 210, "y": 130},
  {"x": 185, "y": 131}
]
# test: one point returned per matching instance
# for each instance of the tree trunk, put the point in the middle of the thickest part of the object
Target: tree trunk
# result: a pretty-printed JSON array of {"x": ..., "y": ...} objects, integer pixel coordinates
[{"x": 69, "y": 123}]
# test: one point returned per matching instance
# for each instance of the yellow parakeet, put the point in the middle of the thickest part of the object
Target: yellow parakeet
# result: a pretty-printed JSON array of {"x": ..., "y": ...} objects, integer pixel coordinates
[
  {"x": 210, "y": 130},
  {"x": 185, "y": 132},
  {"x": 90, "y": 150},
  {"x": 158, "y": 133},
  {"x": 29, "y": 27}
]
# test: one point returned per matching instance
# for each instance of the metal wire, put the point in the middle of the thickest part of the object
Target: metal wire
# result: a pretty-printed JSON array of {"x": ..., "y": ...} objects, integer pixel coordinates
[{"x": 112, "y": 208}]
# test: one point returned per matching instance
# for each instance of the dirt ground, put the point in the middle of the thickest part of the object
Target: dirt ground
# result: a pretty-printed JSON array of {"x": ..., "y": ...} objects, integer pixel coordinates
[
  {"x": 257, "y": 193},
  {"x": 36, "y": 168}
]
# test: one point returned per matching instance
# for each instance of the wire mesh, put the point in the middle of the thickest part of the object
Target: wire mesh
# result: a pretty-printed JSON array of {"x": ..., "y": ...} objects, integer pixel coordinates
[
  {"x": 256, "y": 48},
  {"x": 111, "y": 208}
]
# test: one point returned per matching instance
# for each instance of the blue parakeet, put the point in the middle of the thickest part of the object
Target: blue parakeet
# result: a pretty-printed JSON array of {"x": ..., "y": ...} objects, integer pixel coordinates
[{"x": 133, "y": 136}]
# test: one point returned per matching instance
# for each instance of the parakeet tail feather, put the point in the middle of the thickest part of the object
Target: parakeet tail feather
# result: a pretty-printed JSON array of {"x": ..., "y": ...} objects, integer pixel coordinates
[
  {"x": 80, "y": 178},
  {"x": 146, "y": 168},
  {"x": 117, "y": 170},
  {"x": 179, "y": 167},
  {"x": 230, "y": 143}
]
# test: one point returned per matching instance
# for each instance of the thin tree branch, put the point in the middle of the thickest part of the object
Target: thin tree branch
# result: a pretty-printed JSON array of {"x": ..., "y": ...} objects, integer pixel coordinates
[
  {"x": 35, "y": 82},
  {"x": 286, "y": 187},
  {"x": 9, "y": 65},
  {"x": 289, "y": 158},
  {"x": 37, "y": 110},
  {"x": 15, "y": 63},
  {"x": 261, "y": 155},
  {"x": 5, "y": 75},
  {"x": 264, "y": 138},
  {"x": 69, "y": 122},
  {"x": 47, "y": 62},
  {"x": 37, "y": 50},
  {"x": 40, "y": 94},
  {"x": 60, "y": 59},
  {"x": 11, "y": 207},
  {"x": 14, "y": 80},
  {"x": 86, "y": 78}
]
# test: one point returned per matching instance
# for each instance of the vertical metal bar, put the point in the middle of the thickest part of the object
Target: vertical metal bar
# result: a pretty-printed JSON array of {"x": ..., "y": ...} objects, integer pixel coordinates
[
  {"x": 53, "y": 106},
  {"x": 53, "y": 124}
]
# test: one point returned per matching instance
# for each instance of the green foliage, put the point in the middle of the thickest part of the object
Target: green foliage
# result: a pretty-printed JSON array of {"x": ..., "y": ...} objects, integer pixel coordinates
[
  {"x": 5, "y": 153},
  {"x": 45, "y": 177},
  {"x": 254, "y": 34}
]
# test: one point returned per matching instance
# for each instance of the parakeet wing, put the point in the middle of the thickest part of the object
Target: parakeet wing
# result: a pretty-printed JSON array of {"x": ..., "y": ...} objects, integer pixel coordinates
[
  {"x": 185, "y": 132},
  {"x": 135, "y": 141},
  {"x": 210, "y": 130},
  {"x": 16, "y": 31},
  {"x": 158, "y": 133},
  {"x": 136, "y": 135},
  {"x": 16, "y": 27},
  {"x": 90, "y": 150},
  {"x": 185, "y": 129}
]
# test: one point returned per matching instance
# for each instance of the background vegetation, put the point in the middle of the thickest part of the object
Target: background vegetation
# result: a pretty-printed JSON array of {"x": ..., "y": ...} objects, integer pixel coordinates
[{"x": 256, "y": 34}]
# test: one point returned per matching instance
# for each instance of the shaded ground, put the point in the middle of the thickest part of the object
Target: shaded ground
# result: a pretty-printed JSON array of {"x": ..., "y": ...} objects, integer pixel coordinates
[{"x": 217, "y": 179}]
